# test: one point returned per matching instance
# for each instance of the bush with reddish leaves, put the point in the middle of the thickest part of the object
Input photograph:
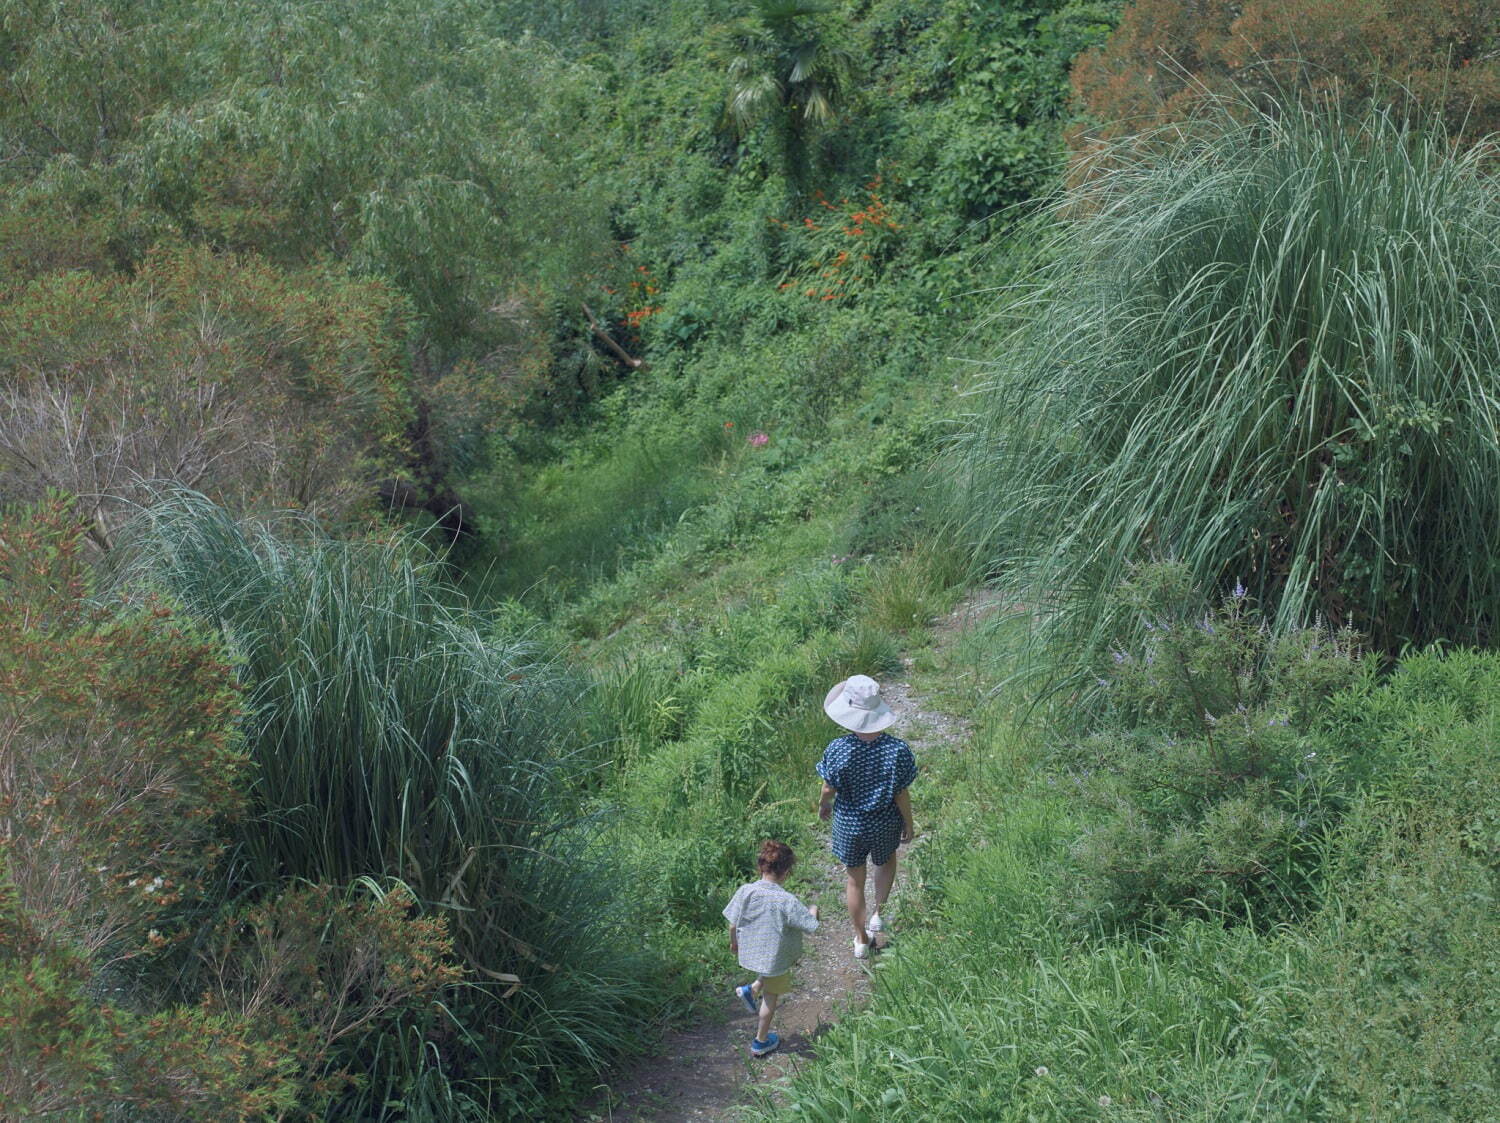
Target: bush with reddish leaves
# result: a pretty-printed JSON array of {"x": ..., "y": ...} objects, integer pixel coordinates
[{"x": 1167, "y": 58}]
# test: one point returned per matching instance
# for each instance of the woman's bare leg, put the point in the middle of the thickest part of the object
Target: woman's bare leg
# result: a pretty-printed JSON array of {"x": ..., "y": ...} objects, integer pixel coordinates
[
  {"x": 885, "y": 877},
  {"x": 854, "y": 900}
]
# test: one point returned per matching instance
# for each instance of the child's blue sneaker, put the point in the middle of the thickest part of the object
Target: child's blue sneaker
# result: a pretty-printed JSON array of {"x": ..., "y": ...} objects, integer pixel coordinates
[
  {"x": 759, "y": 1048},
  {"x": 747, "y": 996}
]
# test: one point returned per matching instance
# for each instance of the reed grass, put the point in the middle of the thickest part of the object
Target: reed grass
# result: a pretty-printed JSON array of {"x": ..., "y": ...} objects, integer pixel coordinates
[
  {"x": 1266, "y": 349},
  {"x": 392, "y": 740}
]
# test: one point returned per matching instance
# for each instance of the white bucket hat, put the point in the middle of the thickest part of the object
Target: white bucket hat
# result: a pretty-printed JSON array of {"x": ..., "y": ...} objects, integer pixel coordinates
[{"x": 855, "y": 704}]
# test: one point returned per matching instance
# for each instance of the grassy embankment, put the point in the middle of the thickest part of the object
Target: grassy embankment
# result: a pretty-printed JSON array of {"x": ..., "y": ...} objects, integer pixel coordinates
[
  {"x": 1208, "y": 924},
  {"x": 1127, "y": 911},
  {"x": 797, "y": 280}
]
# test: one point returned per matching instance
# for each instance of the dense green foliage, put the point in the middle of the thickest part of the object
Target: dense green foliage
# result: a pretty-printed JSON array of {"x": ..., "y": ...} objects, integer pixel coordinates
[
  {"x": 1267, "y": 353},
  {"x": 118, "y": 765},
  {"x": 348, "y": 154},
  {"x": 786, "y": 70},
  {"x": 688, "y": 383},
  {"x": 187, "y": 370},
  {"x": 1211, "y": 793}
]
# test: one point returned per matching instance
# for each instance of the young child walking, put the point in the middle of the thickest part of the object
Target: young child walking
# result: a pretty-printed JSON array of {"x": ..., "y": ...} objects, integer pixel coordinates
[{"x": 766, "y": 923}]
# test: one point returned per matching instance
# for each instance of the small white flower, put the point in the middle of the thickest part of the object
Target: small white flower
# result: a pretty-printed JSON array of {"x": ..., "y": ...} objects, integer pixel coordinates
[
  {"x": 153, "y": 935},
  {"x": 1041, "y": 1070},
  {"x": 1105, "y": 1101}
]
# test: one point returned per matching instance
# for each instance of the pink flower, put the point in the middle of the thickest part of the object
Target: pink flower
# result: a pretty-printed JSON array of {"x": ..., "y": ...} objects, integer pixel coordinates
[{"x": 758, "y": 439}]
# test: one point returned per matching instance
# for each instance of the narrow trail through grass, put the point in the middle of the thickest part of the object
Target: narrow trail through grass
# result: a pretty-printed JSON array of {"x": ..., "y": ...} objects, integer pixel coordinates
[{"x": 704, "y": 1072}]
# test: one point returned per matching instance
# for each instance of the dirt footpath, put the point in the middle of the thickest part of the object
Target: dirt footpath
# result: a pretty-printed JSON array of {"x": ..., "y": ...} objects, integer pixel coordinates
[{"x": 705, "y": 1072}]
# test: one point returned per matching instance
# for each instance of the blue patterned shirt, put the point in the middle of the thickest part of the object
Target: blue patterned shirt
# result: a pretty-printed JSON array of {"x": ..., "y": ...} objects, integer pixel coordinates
[
  {"x": 867, "y": 774},
  {"x": 768, "y": 923}
]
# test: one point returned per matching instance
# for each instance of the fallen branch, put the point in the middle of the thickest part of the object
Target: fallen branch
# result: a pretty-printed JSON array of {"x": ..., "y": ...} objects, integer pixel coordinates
[{"x": 634, "y": 364}]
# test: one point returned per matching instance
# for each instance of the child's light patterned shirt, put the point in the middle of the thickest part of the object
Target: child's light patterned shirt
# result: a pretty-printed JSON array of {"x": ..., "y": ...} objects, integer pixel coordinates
[{"x": 769, "y": 923}]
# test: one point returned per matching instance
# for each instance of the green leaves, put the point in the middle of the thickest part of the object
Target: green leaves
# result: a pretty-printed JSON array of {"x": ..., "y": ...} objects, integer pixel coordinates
[
  {"x": 788, "y": 67},
  {"x": 1213, "y": 784}
]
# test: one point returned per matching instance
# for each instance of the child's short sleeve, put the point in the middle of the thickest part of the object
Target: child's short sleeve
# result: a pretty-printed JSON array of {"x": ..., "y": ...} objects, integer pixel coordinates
[
  {"x": 906, "y": 768},
  {"x": 735, "y": 909},
  {"x": 800, "y": 917}
]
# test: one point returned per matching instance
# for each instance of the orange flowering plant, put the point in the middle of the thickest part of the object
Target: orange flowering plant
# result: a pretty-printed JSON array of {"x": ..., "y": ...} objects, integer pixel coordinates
[
  {"x": 642, "y": 291},
  {"x": 841, "y": 252}
]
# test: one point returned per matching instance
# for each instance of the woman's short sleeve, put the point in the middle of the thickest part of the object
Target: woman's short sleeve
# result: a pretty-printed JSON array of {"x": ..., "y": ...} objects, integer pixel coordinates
[
  {"x": 906, "y": 768},
  {"x": 828, "y": 768}
]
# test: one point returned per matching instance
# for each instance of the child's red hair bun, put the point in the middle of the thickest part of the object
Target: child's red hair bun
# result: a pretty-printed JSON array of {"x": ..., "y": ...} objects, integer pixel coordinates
[{"x": 775, "y": 857}]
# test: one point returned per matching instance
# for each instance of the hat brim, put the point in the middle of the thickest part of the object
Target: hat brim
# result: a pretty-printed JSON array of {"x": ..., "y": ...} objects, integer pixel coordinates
[{"x": 857, "y": 720}]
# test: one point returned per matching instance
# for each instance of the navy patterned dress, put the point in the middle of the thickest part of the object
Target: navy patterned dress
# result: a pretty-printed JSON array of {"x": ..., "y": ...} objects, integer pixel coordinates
[{"x": 867, "y": 775}]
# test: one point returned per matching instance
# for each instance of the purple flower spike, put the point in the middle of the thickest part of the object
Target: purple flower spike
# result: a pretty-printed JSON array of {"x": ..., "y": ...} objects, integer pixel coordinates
[{"x": 1239, "y": 589}]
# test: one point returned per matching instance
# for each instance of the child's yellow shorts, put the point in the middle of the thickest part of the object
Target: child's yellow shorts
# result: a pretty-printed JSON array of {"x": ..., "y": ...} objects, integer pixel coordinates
[{"x": 776, "y": 984}]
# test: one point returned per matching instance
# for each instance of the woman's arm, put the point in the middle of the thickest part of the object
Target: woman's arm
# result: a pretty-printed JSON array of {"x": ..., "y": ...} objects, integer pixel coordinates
[
  {"x": 903, "y": 804},
  {"x": 825, "y": 801}
]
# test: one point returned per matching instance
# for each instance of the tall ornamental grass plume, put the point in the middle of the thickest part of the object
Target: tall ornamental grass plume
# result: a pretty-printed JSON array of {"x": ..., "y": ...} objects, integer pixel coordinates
[
  {"x": 1266, "y": 348},
  {"x": 390, "y": 739}
]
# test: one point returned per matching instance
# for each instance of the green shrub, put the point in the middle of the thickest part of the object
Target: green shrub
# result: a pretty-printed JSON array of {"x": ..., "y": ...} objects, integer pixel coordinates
[
  {"x": 863, "y": 650},
  {"x": 1403, "y": 1007},
  {"x": 633, "y": 707},
  {"x": 1262, "y": 350},
  {"x": 906, "y": 507},
  {"x": 995, "y": 140},
  {"x": 120, "y": 777},
  {"x": 1213, "y": 786},
  {"x": 293, "y": 391},
  {"x": 581, "y": 520},
  {"x": 74, "y": 1056},
  {"x": 908, "y": 592}
]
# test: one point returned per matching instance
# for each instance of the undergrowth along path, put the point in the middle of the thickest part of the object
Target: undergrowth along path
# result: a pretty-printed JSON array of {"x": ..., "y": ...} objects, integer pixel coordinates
[{"x": 704, "y": 1072}]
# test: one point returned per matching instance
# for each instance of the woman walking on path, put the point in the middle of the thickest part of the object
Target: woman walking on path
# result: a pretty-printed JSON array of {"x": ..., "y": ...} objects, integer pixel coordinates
[{"x": 865, "y": 776}]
